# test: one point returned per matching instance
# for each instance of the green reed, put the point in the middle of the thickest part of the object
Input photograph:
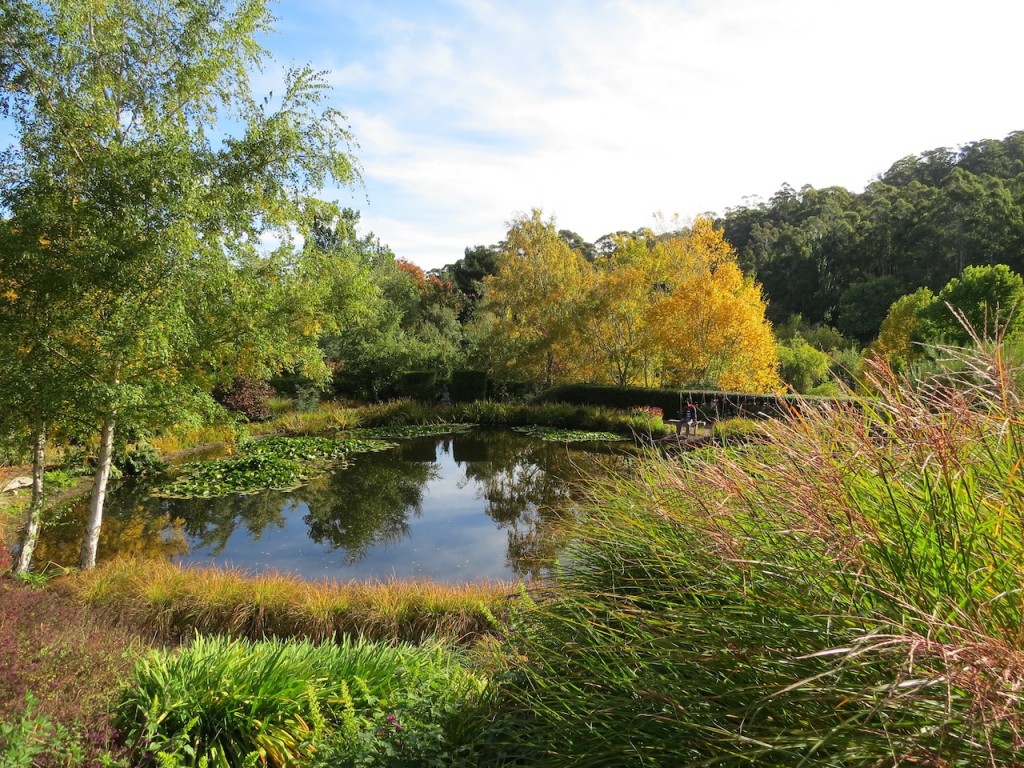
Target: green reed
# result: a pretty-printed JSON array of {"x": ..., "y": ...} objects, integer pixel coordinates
[{"x": 846, "y": 591}]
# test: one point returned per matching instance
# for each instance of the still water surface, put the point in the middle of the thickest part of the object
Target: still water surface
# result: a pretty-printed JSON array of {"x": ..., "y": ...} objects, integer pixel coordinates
[{"x": 479, "y": 505}]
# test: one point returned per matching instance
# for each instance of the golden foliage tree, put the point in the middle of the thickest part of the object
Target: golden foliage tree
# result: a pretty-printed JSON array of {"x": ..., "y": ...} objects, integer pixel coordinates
[
  {"x": 534, "y": 302},
  {"x": 674, "y": 311},
  {"x": 711, "y": 322},
  {"x": 621, "y": 346}
]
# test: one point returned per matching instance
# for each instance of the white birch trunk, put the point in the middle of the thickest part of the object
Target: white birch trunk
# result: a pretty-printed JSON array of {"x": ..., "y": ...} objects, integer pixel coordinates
[
  {"x": 91, "y": 540},
  {"x": 35, "y": 511}
]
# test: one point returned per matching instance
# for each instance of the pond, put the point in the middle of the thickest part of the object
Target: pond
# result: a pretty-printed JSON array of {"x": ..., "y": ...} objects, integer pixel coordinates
[{"x": 473, "y": 506}]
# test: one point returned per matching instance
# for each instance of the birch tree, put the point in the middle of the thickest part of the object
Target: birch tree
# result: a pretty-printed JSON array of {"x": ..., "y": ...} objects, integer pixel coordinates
[{"x": 155, "y": 179}]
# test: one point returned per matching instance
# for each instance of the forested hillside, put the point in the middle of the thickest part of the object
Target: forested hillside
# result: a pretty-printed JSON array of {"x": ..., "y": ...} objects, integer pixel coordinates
[{"x": 842, "y": 258}]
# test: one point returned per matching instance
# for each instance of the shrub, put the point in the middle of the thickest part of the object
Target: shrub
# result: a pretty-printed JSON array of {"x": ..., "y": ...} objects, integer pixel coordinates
[
  {"x": 141, "y": 459},
  {"x": 467, "y": 386},
  {"x": 248, "y": 397},
  {"x": 418, "y": 385}
]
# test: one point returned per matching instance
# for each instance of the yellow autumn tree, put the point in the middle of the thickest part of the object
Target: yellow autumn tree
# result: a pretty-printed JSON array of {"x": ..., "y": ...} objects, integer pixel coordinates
[
  {"x": 710, "y": 321},
  {"x": 621, "y": 346},
  {"x": 534, "y": 301}
]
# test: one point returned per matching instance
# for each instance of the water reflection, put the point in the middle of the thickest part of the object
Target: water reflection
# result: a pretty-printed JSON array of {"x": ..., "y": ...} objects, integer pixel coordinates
[{"x": 479, "y": 505}]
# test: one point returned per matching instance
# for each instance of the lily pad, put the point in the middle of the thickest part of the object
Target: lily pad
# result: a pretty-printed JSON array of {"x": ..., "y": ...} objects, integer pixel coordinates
[
  {"x": 314, "y": 448},
  {"x": 554, "y": 434},
  {"x": 409, "y": 430},
  {"x": 229, "y": 477},
  {"x": 274, "y": 463}
]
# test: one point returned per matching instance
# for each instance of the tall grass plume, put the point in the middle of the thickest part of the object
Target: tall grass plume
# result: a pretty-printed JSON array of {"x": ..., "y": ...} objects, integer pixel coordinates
[{"x": 846, "y": 591}]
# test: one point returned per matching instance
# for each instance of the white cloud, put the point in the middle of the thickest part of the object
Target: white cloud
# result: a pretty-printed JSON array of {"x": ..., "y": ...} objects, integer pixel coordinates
[{"x": 604, "y": 112}]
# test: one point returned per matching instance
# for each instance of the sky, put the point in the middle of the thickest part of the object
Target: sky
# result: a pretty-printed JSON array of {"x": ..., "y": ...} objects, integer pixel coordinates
[{"x": 604, "y": 113}]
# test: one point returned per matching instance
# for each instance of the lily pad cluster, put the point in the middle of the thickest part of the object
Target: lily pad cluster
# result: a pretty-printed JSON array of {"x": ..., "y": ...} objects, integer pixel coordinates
[
  {"x": 554, "y": 434},
  {"x": 314, "y": 448},
  {"x": 274, "y": 463},
  {"x": 228, "y": 477},
  {"x": 409, "y": 430}
]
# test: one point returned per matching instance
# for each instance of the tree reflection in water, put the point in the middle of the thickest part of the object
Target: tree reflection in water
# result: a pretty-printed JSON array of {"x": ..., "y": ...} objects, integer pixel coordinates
[
  {"x": 368, "y": 503},
  {"x": 527, "y": 484},
  {"x": 399, "y": 510}
]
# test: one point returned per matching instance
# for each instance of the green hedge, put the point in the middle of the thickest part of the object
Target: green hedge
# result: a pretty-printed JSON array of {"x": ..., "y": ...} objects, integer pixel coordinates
[
  {"x": 419, "y": 385},
  {"x": 467, "y": 386},
  {"x": 711, "y": 405}
]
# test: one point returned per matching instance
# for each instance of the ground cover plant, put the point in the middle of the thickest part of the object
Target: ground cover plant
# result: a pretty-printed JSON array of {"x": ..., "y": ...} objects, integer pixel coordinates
[
  {"x": 847, "y": 591},
  {"x": 229, "y": 702},
  {"x": 60, "y": 669}
]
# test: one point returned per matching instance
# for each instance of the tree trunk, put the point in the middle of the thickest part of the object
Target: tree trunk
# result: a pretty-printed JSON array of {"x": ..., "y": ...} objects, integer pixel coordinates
[
  {"x": 35, "y": 511},
  {"x": 91, "y": 540}
]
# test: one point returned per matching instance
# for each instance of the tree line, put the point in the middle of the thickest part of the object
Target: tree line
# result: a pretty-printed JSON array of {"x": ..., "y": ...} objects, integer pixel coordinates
[{"x": 842, "y": 259}]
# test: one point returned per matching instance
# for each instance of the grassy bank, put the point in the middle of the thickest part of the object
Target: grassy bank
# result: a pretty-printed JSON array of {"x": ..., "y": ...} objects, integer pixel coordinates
[{"x": 171, "y": 603}]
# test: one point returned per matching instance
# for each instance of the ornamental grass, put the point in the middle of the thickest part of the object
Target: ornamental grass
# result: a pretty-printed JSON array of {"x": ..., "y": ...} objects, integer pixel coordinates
[
  {"x": 846, "y": 591},
  {"x": 172, "y": 603}
]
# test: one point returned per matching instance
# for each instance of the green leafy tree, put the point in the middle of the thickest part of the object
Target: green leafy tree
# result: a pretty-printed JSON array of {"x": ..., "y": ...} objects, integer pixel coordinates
[
  {"x": 801, "y": 366},
  {"x": 864, "y": 305},
  {"x": 903, "y": 331},
  {"x": 160, "y": 211},
  {"x": 987, "y": 298},
  {"x": 468, "y": 274},
  {"x": 36, "y": 386},
  {"x": 411, "y": 324}
]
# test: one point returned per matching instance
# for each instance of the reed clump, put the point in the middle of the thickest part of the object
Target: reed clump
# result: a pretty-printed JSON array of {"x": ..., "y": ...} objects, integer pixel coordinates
[
  {"x": 846, "y": 591},
  {"x": 173, "y": 603},
  {"x": 326, "y": 419},
  {"x": 190, "y": 437}
]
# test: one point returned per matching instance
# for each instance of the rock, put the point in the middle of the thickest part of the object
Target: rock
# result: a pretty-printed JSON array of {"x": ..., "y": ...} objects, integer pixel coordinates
[{"x": 22, "y": 481}]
